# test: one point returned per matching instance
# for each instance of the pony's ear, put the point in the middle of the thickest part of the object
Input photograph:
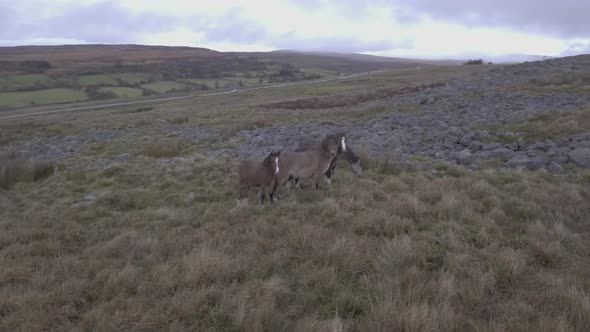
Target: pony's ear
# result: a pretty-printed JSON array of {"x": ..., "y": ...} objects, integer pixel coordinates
[
  {"x": 279, "y": 153},
  {"x": 325, "y": 144}
]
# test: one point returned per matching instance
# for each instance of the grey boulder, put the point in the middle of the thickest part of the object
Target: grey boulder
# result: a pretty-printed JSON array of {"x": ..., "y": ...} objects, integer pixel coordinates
[{"x": 580, "y": 157}]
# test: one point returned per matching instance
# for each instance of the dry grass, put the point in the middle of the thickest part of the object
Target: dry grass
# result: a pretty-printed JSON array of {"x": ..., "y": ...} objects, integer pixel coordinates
[
  {"x": 571, "y": 80},
  {"x": 163, "y": 246},
  {"x": 14, "y": 169},
  {"x": 393, "y": 250},
  {"x": 177, "y": 119},
  {"x": 348, "y": 99},
  {"x": 550, "y": 125},
  {"x": 246, "y": 123},
  {"x": 160, "y": 148}
]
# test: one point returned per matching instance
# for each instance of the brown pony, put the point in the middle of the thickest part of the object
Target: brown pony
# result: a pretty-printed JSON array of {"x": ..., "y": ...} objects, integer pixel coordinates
[
  {"x": 311, "y": 163},
  {"x": 343, "y": 151},
  {"x": 263, "y": 175}
]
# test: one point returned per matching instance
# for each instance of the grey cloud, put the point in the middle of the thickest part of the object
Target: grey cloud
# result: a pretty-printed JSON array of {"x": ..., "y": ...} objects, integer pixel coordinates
[
  {"x": 230, "y": 27},
  {"x": 564, "y": 18},
  {"x": 336, "y": 44},
  {"x": 567, "y": 18},
  {"x": 104, "y": 22},
  {"x": 235, "y": 28},
  {"x": 108, "y": 22},
  {"x": 577, "y": 48}
]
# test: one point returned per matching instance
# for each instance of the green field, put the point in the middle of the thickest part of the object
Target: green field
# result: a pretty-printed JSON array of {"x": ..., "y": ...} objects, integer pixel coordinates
[
  {"x": 163, "y": 86},
  {"x": 225, "y": 82},
  {"x": 245, "y": 81},
  {"x": 100, "y": 79},
  {"x": 123, "y": 92},
  {"x": 210, "y": 83},
  {"x": 41, "y": 97},
  {"x": 15, "y": 82},
  {"x": 133, "y": 78}
]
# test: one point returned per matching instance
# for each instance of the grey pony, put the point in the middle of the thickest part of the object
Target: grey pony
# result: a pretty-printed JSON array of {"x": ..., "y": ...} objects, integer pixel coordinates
[{"x": 348, "y": 155}]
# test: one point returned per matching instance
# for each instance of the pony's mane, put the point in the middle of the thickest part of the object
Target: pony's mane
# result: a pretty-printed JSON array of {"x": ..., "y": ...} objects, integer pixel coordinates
[{"x": 267, "y": 162}]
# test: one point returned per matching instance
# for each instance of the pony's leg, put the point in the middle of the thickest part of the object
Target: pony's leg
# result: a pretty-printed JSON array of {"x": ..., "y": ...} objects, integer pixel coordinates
[
  {"x": 262, "y": 195},
  {"x": 272, "y": 192},
  {"x": 328, "y": 176},
  {"x": 330, "y": 172},
  {"x": 242, "y": 192},
  {"x": 288, "y": 183},
  {"x": 317, "y": 181}
]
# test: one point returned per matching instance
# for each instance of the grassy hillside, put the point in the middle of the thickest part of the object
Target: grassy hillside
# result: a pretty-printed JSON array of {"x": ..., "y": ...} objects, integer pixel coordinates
[
  {"x": 125, "y": 218},
  {"x": 156, "y": 70},
  {"x": 336, "y": 62}
]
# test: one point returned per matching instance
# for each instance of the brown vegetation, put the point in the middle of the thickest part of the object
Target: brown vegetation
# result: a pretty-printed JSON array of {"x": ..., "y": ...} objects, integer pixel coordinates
[
  {"x": 550, "y": 125},
  {"x": 163, "y": 148},
  {"x": 346, "y": 100},
  {"x": 553, "y": 125},
  {"x": 145, "y": 245},
  {"x": 177, "y": 119},
  {"x": 389, "y": 251},
  {"x": 573, "y": 79},
  {"x": 14, "y": 168}
]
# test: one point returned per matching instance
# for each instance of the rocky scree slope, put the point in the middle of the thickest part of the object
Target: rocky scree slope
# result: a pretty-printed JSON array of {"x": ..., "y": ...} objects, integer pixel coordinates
[{"x": 452, "y": 123}]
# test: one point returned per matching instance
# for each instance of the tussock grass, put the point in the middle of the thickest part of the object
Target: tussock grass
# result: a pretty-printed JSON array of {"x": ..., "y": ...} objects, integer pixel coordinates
[
  {"x": 387, "y": 165},
  {"x": 347, "y": 99},
  {"x": 549, "y": 125},
  {"x": 571, "y": 79},
  {"x": 177, "y": 119},
  {"x": 162, "y": 244},
  {"x": 245, "y": 124},
  {"x": 161, "y": 148},
  {"x": 392, "y": 250},
  {"x": 553, "y": 125},
  {"x": 14, "y": 168}
]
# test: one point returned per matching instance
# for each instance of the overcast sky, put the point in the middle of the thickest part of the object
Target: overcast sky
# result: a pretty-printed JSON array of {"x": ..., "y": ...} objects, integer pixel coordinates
[{"x": 402, "y": 28}]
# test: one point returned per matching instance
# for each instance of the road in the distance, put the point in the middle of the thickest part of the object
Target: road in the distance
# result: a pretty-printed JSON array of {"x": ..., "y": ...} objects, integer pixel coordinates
[{"x": 147, "y": 101}]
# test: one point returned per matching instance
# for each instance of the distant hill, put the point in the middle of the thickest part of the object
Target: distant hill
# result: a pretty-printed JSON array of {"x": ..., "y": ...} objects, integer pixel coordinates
[
  {"x": 38, "y": 75},
  {"x": 81, "y": 58},
  {"x": 518, "y": 58},
  {"x": 339, "y": 62}
]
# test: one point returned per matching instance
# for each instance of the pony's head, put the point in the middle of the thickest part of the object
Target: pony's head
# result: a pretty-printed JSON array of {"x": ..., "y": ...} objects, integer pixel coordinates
[
  {"x": 342, "y": 140},
  {"x": 331, "y": 144},
  {"x": 272, "y": 160}
]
